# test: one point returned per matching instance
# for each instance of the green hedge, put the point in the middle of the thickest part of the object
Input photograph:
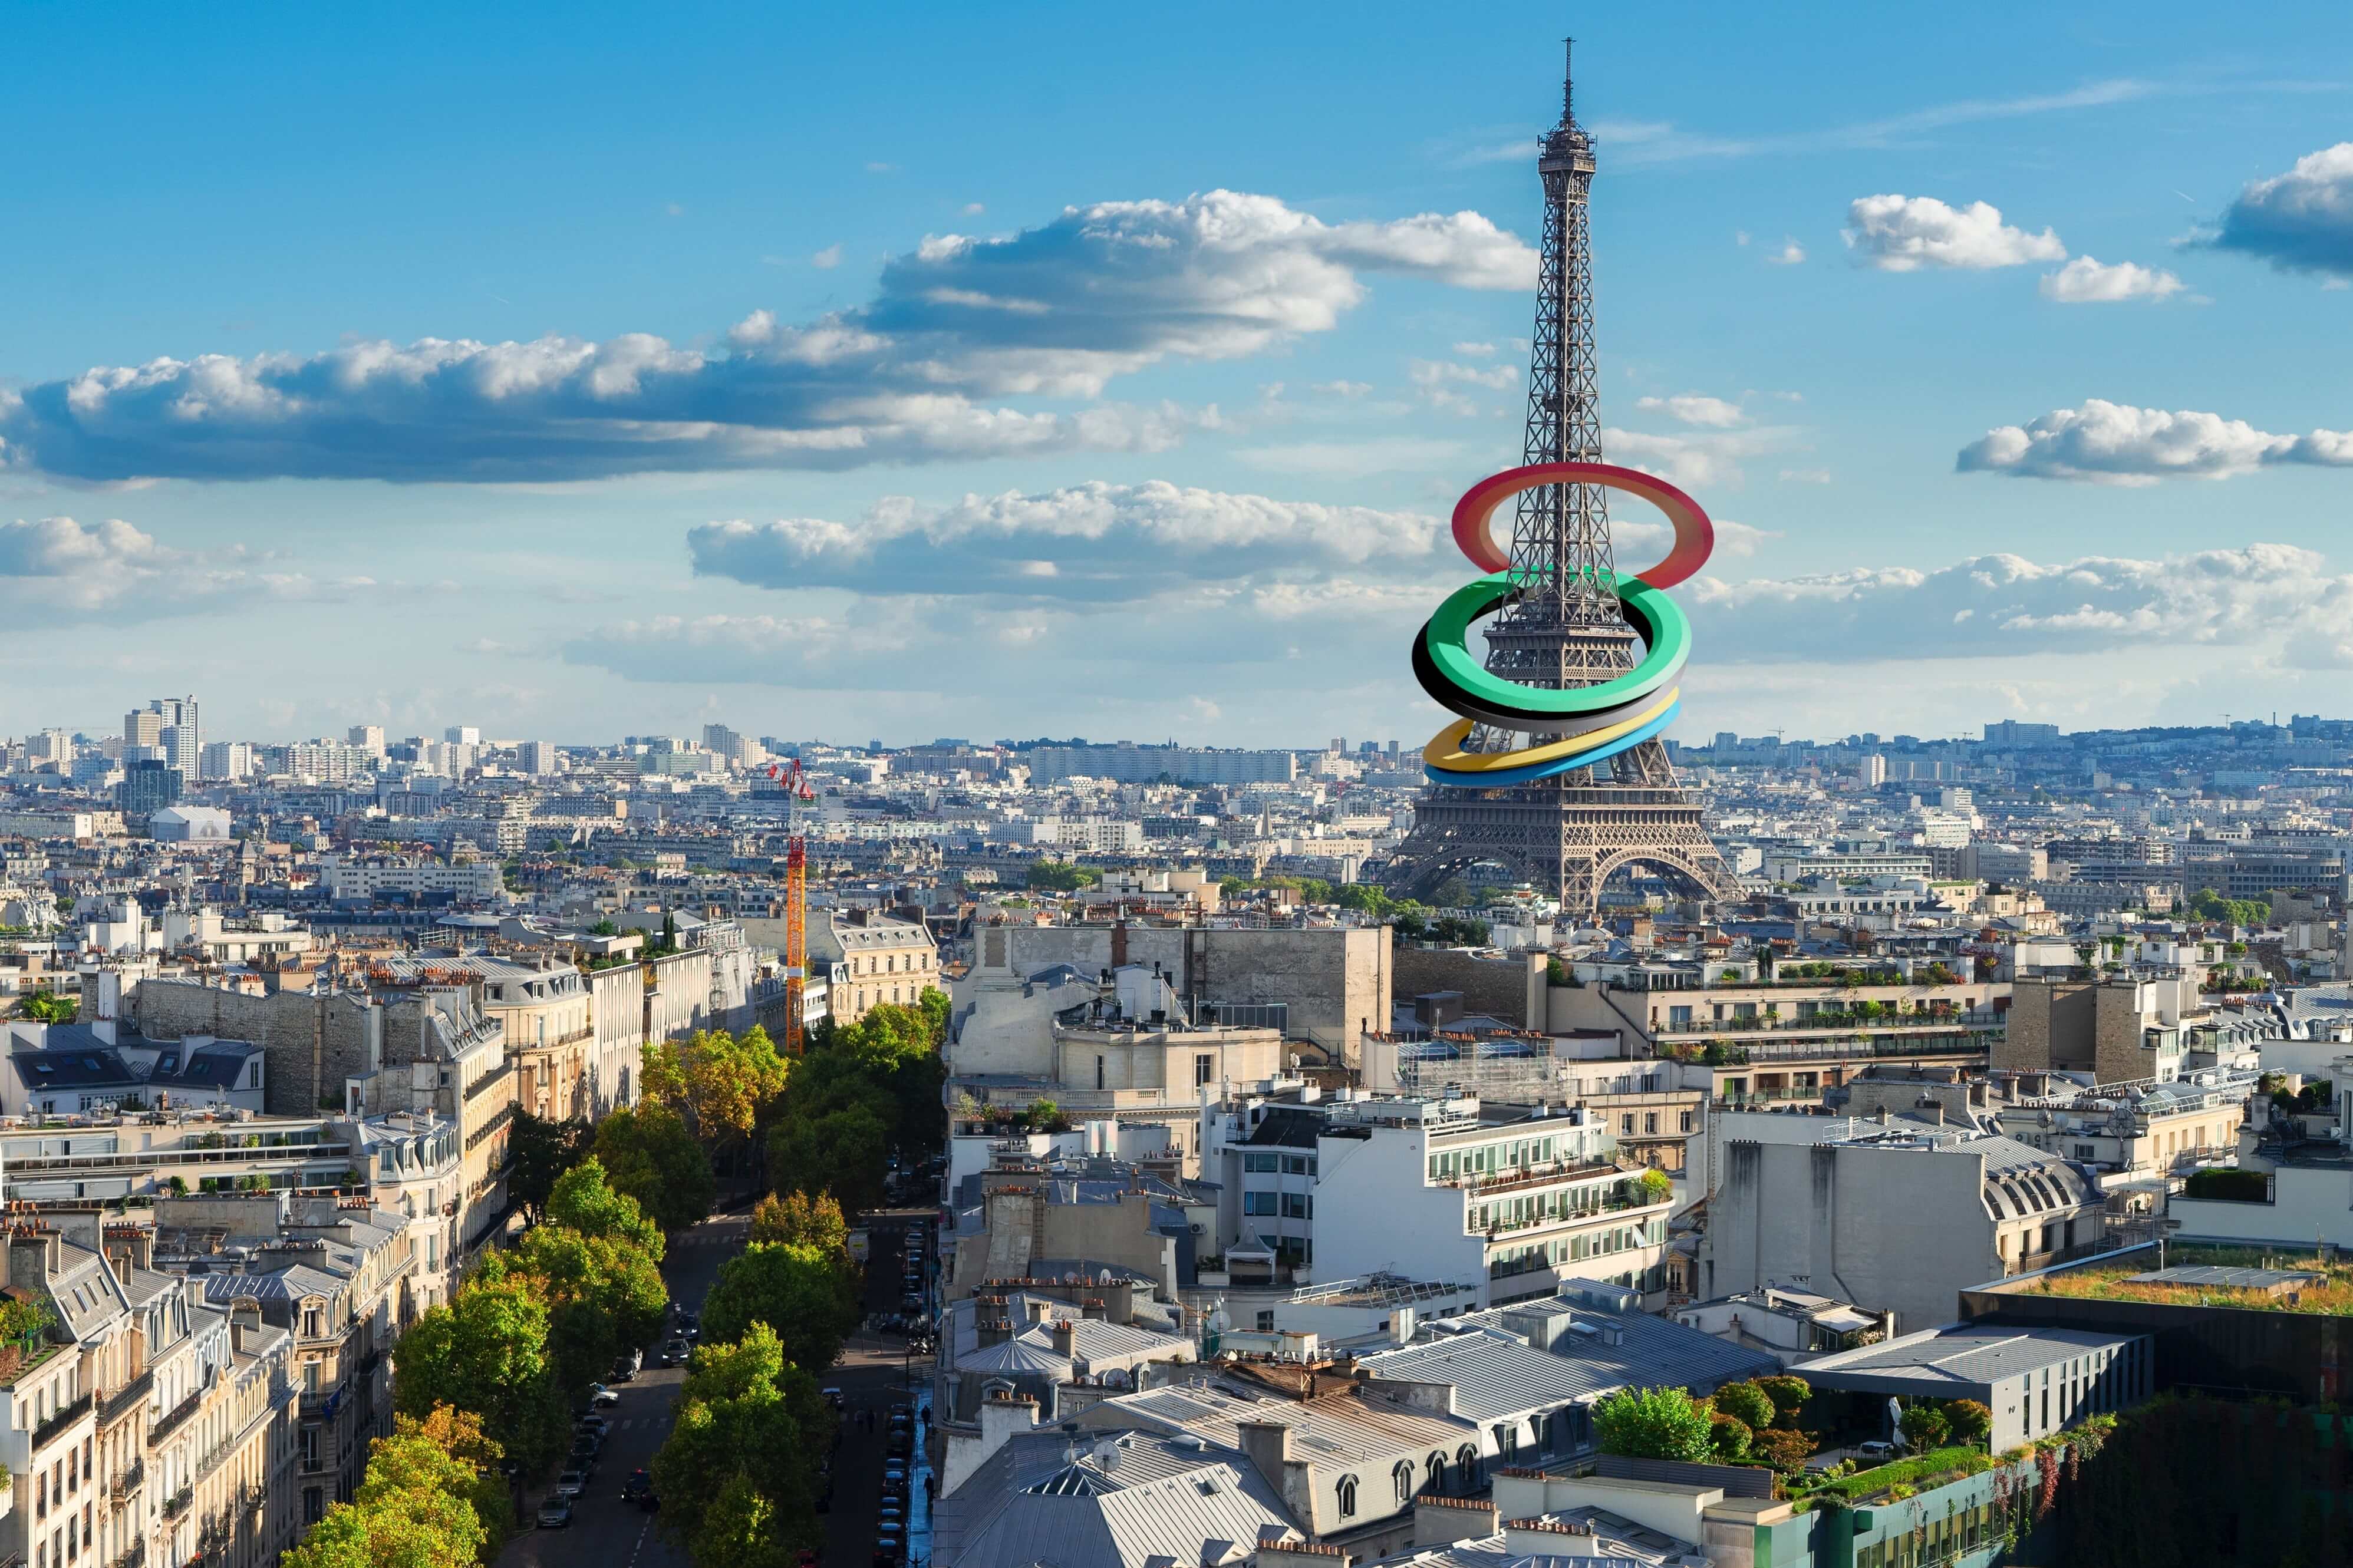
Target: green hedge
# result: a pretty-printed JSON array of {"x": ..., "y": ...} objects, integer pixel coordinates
[
  {"x": 2232, "y": 1187},
  {"x": 1932, "y": 1469}
]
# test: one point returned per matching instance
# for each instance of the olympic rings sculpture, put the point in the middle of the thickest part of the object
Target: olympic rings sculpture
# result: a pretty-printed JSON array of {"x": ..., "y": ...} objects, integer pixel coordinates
[{"x": 1592, "y": 722}]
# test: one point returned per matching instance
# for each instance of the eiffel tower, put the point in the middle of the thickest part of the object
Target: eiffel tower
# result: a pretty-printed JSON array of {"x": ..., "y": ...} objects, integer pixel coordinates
[{"x": 1568, "y": 835}]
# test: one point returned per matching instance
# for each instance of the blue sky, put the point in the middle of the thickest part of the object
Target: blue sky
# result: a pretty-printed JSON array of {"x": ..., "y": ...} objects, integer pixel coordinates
[{"x": 608, "y": 369}]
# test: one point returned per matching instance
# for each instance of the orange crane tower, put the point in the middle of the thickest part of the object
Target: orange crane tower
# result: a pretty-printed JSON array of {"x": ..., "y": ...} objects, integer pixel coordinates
[{"x": 789, "y": 778}]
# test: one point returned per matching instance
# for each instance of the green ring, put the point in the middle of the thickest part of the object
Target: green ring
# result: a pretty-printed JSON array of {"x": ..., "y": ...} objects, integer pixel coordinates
[{"x": 1656, "y": 619}]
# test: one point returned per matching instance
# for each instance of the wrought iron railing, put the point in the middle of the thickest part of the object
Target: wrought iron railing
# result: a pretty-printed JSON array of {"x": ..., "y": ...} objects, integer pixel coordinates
[{"x": 67, "y": 1416}]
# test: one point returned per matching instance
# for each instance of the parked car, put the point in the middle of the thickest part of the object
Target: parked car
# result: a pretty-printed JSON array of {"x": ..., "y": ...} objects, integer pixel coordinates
[
  {"x": 599, "y": 1394},
  {"x": 640, "y": 1489},
  {"x": 596, "y": 1424},
  {"x": 894, "y": 1476},
  {"x": 571, "y": 1484},
  {"x": 833, "y": 1396},
  {"x": 624, "y": 1369},
  {"x": 556, "y": 1514}
]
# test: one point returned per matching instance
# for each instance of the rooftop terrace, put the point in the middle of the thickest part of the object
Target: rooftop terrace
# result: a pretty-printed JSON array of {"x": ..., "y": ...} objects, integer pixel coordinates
[{"x": 2122, "y": 1277}]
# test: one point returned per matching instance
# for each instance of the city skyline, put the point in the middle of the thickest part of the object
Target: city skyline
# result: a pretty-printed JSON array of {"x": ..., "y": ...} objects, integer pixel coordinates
[{"x": 1218, "y": 492}]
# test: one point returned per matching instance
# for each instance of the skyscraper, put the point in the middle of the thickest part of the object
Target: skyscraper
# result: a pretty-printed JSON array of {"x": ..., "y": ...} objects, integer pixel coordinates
[{"x": 1568, "y": 833}]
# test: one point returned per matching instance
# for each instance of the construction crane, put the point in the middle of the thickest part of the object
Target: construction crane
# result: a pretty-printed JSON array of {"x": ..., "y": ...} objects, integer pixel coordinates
[{"x": 788, "y": 777}]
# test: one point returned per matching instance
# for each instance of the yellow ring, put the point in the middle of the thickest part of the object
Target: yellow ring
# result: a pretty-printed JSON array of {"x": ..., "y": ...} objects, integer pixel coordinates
[{"x": 1445, "y": 748}]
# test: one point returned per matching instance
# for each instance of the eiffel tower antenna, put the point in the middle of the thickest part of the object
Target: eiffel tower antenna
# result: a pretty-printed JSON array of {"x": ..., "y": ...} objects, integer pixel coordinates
[{"x": 1569, "y": 834}]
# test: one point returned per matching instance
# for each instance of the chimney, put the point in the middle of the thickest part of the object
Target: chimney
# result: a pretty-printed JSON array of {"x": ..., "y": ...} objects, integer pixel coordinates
[
  {"x": 1439, "y": 1521},
  {"x": 130, "y": 1246},
  {"x": 1091, "y": 1309},
  {"x": 1268, "y": 1444},
  {"x": 1933, "y": 1110},
  {"x": 1066, "y": 1340},
  {"x": 1002, "y": 1417},
  {"x": 35, "y": 1257},
  {"x": 1038, "y": 1310},
  {"x": 1883, "y": 1117}
]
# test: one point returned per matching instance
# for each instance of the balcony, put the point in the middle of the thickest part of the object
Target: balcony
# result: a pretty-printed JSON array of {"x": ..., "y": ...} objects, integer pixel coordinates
[
  {"x": 67, "y": 1416},
  {"x": 1569, "y": 1216},
  {"x": 177, "y": 1504},
  {"x": 174, "y": 1418},
  {"x": 1525, "y": 1176},
  {"x": 475, "y": 1139},
  {"x": 127, "y": 1481},
  {"x": 504, "y": 1073},
  {"x": 1835, "y": 1021},
  {"x": 126, "y": 1399}
]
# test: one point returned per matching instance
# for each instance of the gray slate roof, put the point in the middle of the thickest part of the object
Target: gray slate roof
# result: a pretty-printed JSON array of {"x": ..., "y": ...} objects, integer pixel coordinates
[
  {"x": 1496, "y": 1372},
  {"x": 1945, "y": 1363},
  {"x": 1031, "y": 1505}
]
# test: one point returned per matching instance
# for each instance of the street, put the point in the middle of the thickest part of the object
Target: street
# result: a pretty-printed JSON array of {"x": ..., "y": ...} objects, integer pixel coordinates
[
  {"x": 872, "y": 1377},
  {"x": 608, "y": 1531}
]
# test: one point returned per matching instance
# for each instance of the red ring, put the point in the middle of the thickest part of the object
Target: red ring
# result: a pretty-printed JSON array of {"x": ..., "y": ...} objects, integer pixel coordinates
[{"x": 1695, "y": 534}]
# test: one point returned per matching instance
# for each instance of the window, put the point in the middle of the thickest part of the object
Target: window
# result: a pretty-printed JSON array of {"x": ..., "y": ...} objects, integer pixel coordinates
[
  {"x": 1347, "y": 1496},
  {"x": 1686, "y": 1121},
  {"x": 1626, "y": 1124},
  {"x": 1435, "y": 1478},
  {"x": 1295, "y": 1205},
  {"x": 1651, "y": 1123},
  {"x": 1259, "y": 1204},
  {"x": 1261, "y": 1159},
  {"x": 1203, "y": 1068},
  {"x": 1294, "y": 1164},
  {"x": 1401, "y": 1478}
]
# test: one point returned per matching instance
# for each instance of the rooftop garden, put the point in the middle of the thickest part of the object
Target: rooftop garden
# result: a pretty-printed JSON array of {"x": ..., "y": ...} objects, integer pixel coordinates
[{"x": 2108, "y": 1278}]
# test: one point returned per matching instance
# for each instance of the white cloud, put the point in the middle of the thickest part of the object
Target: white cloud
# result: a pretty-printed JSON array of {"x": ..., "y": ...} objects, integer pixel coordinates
[
  {"x": 1094, "y": 541},
  {"x": 1436, "y": 380},
  {"x": 1696, "y": 460},
  {"x": 1904, "y": 234},
  {"x": 1790, "y": 254},
  {"x": 974, "y": 209},
  {"x": 1341, "y": 388},
  {"x": 1740, "y": 237},
  {"x": 1475, "y": 351},
  {"x": 56, "y": 569},
  {"x": 1342, "y": 459},
  {"x": 1692, "y": 408},
  {"x": 2113, "y": 443},
  {"x": 1991, "y": 605},
  {"x": 829, "y": 256},
  {"x": 2086, "y": 281},
  {"x": 2301, "y": 221},
  {"x": 1806, "y": 476},
  {"x": 1053, "y": 311},
  {"x": 877, "y": 167}
]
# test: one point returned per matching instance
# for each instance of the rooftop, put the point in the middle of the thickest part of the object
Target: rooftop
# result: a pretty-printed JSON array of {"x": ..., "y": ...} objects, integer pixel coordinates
[
  {"x": 1954, "y": 1359},
  {"x": 2121, "y": 1277}
]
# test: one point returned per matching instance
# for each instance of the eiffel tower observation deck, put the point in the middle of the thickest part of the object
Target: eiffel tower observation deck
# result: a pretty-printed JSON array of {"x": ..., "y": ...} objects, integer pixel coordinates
[{"x": 1568, "y": 835}]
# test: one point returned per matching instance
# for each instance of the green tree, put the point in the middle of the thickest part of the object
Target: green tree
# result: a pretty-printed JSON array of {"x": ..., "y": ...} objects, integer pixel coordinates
[
  {"x": 1653, "y": 1424},
  {"x": 486, "y": 1352},
  {"x": 1746, "y": 1402},
  {"x": 1926, "y": 1427},
  {"x": 1788, "y": 1395},
  {"x": 849, "y": 1148},
  {"x": 431, "y": 1497},
  {"x": 804, "y": 1293},
  {"x": 48, "y": 1007},
  {"x": 737, "y": 1474},
  {"x": 1058, "y": 876},
  {"x": 598, "y": 1274},
  {"x": 539, "y": 1149},
  {"x": 728, "y": 1083},
  {"x": 649, "y": 1153},
  {"x": 797, "y": 1217},
  {"x": 1970, "y": 1422},
  {"x": 1727, "y": 1438},
  {"x": 587, "y": 1201}
]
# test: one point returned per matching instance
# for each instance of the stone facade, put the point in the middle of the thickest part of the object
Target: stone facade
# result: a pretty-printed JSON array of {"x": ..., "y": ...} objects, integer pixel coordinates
[{"x": 311, "y": 1043}]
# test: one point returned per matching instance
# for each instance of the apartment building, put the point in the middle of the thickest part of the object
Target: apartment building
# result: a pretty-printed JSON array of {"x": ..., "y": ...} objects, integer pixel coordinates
[
  {"x": 879, "y": 960},
  {"x": 1505, "y": 1202},
  {"x": 1894, "y": 1217},
  {"x": 49, "y": 1397},
  {"x": 338, "y": 1280}
]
